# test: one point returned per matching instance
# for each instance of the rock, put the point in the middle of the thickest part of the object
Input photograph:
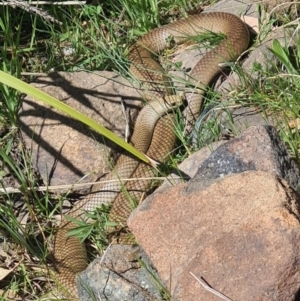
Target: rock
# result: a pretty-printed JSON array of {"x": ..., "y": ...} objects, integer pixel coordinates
[
  {"x": 276, "y": 7},
  {"x": 63, "y": 149},
  {"x": 118, "y": 276},
  {"x": 258, "y": 148},
  {"x": 243, "y": 7},
  {"x": 282, "y": 8},
  {"x": 189, "y": 167},
  {"x": 240, "y": 233},
  {"x": 244, "y": 209}
]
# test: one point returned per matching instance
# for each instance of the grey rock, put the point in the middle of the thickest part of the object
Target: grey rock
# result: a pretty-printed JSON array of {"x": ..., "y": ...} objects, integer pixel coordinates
[{"x": 118, "y": 275}]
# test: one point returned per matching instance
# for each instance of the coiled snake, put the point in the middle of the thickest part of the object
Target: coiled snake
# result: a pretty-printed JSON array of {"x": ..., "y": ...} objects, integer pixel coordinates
[{"x": 70, "y": 255}]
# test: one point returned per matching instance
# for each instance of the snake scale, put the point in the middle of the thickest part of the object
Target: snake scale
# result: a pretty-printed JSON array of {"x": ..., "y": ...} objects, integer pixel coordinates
[{"x": 157, "y": 137}]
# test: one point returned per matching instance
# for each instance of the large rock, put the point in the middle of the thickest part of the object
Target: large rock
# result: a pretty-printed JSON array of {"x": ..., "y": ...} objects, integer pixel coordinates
[
  {"x": 229, "y": 223},
  {"x": 241, "y": 234}
]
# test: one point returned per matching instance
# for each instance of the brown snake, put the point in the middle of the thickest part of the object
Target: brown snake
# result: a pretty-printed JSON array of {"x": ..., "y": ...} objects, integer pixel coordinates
[{"x": 70, "y": 255}]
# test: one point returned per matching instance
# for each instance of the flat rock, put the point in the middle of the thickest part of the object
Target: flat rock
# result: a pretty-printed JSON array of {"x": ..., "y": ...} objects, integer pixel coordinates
[
  {"x": 63, "y": 149},
  {"x": 250, "y": 6}
]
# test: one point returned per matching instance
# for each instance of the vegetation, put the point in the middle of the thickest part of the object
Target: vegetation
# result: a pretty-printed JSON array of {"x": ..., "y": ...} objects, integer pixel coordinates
[{"x": 87, "y": 37}]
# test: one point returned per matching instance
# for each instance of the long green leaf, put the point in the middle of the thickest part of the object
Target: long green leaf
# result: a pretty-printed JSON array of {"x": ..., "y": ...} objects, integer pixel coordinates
[
  {"x": 23, "y": 87},
  {"x": 284, "y": 57}
]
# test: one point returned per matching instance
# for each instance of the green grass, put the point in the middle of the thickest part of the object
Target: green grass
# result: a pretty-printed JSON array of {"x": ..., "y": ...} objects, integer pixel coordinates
[{"x": 97, "y": 38}]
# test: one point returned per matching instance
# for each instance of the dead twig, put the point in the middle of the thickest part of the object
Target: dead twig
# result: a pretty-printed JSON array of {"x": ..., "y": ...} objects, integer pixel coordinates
[
  {"x": 31, "y": 9},
  {"x": 210, "y": 289},
  {"x": 50, "y": 3}
]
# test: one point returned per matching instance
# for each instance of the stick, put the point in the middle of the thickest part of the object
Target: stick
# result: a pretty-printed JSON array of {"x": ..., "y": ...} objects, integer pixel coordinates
[
  {"x": 50, "y": 3},
  {"x": 209, "y": 288}
]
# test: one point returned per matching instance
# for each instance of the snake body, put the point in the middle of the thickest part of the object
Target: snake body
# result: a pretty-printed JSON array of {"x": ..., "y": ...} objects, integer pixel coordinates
[{"x": 158, "y": 139}]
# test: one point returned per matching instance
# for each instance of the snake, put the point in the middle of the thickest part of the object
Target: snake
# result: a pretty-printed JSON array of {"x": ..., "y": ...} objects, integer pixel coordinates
[{"x": 154, "y": 131}]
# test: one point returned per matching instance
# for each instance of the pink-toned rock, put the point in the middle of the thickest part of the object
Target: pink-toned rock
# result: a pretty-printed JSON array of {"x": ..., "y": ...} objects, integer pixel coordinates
[
  {"x": 241, "y": 234},
  {"x": 63, "y": 149}
]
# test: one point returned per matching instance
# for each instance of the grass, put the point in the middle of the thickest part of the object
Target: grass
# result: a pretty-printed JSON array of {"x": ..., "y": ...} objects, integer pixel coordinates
[{"x": 97, "y": 38}]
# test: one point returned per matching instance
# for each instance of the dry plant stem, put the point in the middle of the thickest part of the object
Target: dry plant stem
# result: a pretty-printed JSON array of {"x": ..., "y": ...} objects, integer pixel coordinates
[
  {"x": 30, "y": 73},
  {"x": 126, "y": 117},
  {"x": 72, "y": 186},
  {"x": 209, "y": 288},
  {"x": 27, "y": 7},
  {"x": 50, "y": 3}
]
